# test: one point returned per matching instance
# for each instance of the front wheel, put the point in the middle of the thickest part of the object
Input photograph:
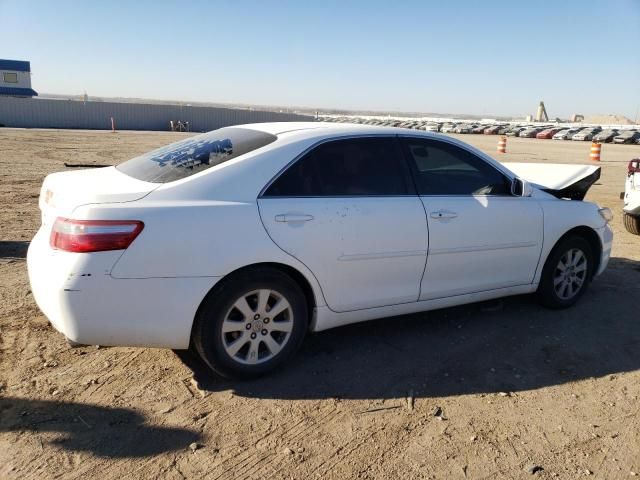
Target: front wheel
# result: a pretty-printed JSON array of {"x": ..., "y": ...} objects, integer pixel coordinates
[
  {"x": 251, "y": 324},
  {"x": 631, "y": 223},
  {"x": 566, "y": 273}
]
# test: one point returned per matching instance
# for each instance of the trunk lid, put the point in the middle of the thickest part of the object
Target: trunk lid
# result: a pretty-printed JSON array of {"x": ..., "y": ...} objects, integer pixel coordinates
[
  {"x": 558, "y": 179},
  {"x": 62, "y": 192}
]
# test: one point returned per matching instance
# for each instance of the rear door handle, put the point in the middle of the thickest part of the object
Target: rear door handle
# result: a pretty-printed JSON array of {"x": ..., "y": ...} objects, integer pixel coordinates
[
  {"x": 443, "y": 214},
  {"x": 290, "y": 217}
]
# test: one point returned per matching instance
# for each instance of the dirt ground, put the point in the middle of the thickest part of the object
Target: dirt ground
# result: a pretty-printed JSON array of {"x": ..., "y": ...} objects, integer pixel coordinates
[{"x": 492, "y": 390}]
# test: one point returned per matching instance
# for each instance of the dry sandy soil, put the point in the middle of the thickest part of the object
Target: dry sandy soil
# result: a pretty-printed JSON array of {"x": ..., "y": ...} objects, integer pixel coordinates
[{"x": 482, "y": 391}]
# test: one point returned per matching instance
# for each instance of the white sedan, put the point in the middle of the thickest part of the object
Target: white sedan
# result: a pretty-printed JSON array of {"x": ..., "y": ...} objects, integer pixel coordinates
[{"x": 238, "y": 241}]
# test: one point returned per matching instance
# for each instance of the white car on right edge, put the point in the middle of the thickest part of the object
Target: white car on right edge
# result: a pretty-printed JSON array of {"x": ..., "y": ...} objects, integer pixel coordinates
[{"x": 631, "y": 209}]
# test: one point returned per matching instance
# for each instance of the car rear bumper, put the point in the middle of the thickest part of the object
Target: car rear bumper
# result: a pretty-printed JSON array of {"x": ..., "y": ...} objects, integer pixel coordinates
[
  {"x": 82, "y": 301},
  {"x": 632, "y": 206}
]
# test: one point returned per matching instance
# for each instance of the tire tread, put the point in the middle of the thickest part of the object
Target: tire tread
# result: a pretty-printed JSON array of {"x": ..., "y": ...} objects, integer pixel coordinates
[{"x": 631, "y": 223}]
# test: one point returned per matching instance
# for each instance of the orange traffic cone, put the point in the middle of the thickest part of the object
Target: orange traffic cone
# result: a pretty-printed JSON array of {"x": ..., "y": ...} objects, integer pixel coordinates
[
  {"x": 595, "y": 151},
  {"x": 502, "y": 145}
]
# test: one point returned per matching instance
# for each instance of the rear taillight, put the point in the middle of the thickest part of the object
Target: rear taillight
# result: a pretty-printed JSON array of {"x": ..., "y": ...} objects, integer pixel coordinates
[
  {"x": 84, "y": 236},
  {"x": 634, "y": 166}
]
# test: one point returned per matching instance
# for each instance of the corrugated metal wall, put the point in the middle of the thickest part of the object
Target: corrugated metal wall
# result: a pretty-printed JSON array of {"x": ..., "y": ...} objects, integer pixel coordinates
[{"x": 43, "y": 113}]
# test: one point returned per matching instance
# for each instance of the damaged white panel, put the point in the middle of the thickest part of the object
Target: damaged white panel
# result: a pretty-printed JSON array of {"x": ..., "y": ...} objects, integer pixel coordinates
[{"x": 552, "y": 176}]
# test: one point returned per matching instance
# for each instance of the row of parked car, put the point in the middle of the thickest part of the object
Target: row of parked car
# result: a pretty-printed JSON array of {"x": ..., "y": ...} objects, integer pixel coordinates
[{"x": 595, "y": 134}]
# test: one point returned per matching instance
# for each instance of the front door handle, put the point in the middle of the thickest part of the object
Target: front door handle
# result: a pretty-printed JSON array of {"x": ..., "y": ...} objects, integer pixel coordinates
[
  {"x": 291, "y": 217},
  {"x": 443, "y": 214}
]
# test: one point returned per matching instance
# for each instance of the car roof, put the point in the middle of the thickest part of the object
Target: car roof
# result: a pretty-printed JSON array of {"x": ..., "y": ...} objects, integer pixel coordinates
[{"x": 309, "y": 130}]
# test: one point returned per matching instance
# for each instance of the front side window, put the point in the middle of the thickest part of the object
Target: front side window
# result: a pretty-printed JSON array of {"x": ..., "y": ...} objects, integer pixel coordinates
[
  {"x": 10, "y": 77},
  {"x": 350, "y": 167},
  {"x": 441, "y": 168},
  {"x": 182, "y": 159}
]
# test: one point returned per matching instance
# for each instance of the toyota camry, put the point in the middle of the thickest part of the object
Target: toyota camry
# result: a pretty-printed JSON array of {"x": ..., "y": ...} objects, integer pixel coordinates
[{"x": 239, "y": 241}]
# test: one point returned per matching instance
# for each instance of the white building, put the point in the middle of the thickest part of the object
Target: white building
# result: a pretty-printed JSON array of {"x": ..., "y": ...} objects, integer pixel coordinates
[{"x": 15, "y": 79}]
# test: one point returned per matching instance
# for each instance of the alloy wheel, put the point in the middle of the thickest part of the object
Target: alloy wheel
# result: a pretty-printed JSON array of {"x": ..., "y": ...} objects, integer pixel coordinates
[
  {"x": 570, "y": 274},
  {"x": 257, "y": 326}
]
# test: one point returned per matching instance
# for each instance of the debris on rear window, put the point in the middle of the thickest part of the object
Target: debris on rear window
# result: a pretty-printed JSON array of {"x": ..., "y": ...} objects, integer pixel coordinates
[{"x": 195, "y": 154}]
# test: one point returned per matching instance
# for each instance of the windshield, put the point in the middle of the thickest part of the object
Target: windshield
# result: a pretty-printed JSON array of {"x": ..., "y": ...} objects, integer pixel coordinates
[{"x": 196, "y": 154}]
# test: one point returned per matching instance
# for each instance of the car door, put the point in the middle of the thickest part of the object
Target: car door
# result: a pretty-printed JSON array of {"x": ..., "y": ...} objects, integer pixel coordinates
[
  {"x": 347, "y": 209},
  {"x": 481, "y": 237}
]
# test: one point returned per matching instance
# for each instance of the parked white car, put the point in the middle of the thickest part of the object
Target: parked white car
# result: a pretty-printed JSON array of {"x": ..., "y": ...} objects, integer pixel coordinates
[
  {"x": 463, "y": 128},
  {"x": 239, "y": 241},
  {"x": 566, "y": 134},
  {"x": 631, "y": 196},
  {"x": 586, "y": 134}
]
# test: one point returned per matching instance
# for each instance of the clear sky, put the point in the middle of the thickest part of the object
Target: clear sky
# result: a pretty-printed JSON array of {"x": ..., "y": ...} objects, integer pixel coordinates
[{"x": 464, "y": 56}]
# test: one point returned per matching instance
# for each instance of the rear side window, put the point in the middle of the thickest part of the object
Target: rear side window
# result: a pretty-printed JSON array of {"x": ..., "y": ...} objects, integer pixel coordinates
[
  {"x": 351, "y": 167},
  {"x": 182, "y": 159},
  {"x": 444, "y": 169}
]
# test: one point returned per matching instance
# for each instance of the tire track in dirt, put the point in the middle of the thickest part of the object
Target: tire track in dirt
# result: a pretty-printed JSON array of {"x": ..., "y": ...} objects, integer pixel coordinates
[
  {"x": 341, "y": 454},
  {"x": 253, "y": 463},
  {"x": 246, "y": 466}
]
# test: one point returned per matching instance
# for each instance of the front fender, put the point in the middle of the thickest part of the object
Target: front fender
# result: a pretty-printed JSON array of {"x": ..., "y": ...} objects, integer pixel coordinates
[{"x": 561, "y": 216}]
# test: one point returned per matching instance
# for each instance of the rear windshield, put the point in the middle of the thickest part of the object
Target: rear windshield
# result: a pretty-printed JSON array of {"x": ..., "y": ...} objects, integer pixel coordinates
[{"x": 182, "y": 159}]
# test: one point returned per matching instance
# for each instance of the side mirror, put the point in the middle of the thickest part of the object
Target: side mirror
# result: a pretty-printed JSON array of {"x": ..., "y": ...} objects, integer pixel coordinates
[{"x": 521, "y": 188}]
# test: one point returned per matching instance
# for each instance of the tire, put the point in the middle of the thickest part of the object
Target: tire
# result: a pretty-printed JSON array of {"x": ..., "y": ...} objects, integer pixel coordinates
[
  {"x": 258, "y": 343},
  {"x": 561, "y": 290},
  {"x": 631, "y": 223}
]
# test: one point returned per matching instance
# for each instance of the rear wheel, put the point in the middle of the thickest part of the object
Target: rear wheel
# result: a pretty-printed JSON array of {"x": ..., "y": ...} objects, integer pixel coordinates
[
  {"x": 631, "y": 223},
  {"x": 566, "y": 273},
  {"x": 251, "y": 324}
]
